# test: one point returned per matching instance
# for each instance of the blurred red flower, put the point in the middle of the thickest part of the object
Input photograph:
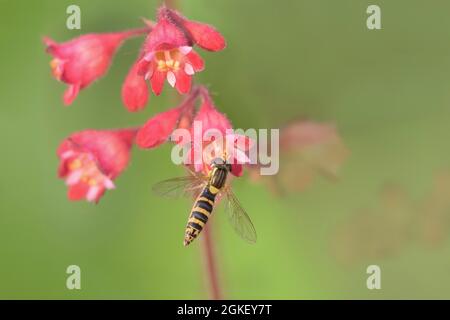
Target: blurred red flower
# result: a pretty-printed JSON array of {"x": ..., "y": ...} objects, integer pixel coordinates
[
  {"x": 90, "y": 160},
  {"x": 82, "y": 60},
  {"x": 307, "y": 149}
]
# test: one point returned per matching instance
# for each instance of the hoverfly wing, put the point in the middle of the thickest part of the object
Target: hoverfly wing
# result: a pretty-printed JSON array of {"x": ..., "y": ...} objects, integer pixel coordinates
[
  {"x": 179, "y": 187},
  {"x": 239, "y": 219}
]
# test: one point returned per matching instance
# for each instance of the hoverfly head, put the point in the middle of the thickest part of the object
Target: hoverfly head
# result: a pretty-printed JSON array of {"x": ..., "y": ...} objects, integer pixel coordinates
[{"x": 221, "y": 163}]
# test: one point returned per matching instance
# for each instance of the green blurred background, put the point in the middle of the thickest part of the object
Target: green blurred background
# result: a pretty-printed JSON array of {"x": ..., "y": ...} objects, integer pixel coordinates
[{"x": 386, "y": 91}]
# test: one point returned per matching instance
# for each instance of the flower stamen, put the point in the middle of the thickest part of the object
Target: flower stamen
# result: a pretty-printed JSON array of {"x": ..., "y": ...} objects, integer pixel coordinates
[
  {"x": 84, "y": 170},
  {"x": 56, "y": 66},
  {"x": 168, "y": 60}
]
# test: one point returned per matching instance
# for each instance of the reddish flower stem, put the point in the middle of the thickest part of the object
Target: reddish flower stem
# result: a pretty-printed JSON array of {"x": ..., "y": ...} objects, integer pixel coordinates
[
  {"x": 188, "y": 101},
  {"x": 195, "y": 93},
  {"x": 210, "y": 263}
]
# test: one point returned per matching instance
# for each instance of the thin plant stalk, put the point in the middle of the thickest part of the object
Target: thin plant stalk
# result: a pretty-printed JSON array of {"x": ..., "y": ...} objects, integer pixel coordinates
[{"x": 210, "y": 263}]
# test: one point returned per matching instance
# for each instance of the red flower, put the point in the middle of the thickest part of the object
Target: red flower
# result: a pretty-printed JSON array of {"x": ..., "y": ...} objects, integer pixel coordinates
[
  {"x": 90, "y": 160},
  {"x": 82, "y": 60},
  {"x": 159, "y": 128},
  {"x": 168, "y": 52}
]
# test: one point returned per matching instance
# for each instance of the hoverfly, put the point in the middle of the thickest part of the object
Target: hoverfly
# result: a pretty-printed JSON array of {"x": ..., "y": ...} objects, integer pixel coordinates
[{"x": 206, "y": 189}]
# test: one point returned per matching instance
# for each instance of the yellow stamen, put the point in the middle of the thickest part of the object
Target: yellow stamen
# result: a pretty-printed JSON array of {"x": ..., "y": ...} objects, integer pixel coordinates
[
  {"x": 168, "y": 60},
  {"x": 54, "y": 64},
  {"x": 169, "y": 63},
  {"x": 75, "y": 164}
]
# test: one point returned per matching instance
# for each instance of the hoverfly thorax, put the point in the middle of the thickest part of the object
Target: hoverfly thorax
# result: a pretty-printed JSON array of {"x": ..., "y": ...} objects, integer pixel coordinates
[{"x": 219, "y": 173}]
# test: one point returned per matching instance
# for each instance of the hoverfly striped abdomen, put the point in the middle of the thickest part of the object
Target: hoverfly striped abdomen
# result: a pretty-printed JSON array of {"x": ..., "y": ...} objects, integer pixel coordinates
[
  {"x": 200, "y": 213},
  {"x": 204, "y": 205}
]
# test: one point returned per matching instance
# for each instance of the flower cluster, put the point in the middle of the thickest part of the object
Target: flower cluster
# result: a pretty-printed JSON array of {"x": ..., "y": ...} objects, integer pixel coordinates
[
  {"x": 167, "y": 53},
  {"x": 91, "y": 160},
  {"x": 160, "y": 129}
]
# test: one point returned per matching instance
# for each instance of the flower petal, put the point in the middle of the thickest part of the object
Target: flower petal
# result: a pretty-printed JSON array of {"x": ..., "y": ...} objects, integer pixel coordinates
[
  {"x": 158, "y": 129},
  {"x": 237, "y": 170},
  {"x": 109, "y": 184},
  {"x": 144, "y": 67},
  {"x": 185, "y": 49},
  {"x": 149, "y": 56},
  {"x": 196, "y": 61},
  {"x": 71, "y": 93},
  {"x": 205, "y": 36},
  {"x": 157, "y": 81},
  {"x": 183, "y": 83},
  {"x": 51, "y": 45},
  {"x": 93, "y": 193},
  {"x": 189, "y": 69},
  {"x": 171, "y": 79},
  {"x": 77, "y": 191},
  {"x": 74, "y": 177},
  {"x": 135, "y": 90},
  {"x": 165, "y": 35}
]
